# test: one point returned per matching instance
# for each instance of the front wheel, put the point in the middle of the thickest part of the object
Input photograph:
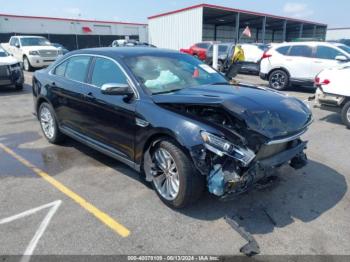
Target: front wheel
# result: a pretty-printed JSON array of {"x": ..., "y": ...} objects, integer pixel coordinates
[
  {"x": 345, "y": 114},
  {"x": 279, "y": 80},
  {"x": 175, "y": 180},
  {"x": 26, "y": 64}
]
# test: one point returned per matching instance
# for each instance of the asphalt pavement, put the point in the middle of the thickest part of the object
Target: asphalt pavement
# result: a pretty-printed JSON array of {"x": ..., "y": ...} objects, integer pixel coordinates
[{"x": 79, "y": 201}]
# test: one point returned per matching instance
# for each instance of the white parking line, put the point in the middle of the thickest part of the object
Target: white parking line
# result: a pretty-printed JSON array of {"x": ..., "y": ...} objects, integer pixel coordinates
[{"x": 40, "y": 231}]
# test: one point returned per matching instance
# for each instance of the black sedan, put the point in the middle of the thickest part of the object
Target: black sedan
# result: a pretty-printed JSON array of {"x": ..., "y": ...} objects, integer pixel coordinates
[{"x": 172, "y": 118}]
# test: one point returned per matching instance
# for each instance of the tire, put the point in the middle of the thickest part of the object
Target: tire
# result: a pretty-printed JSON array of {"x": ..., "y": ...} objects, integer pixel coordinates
[
  {"x": 279, "y": 80},
  {"x": 26, "y": 65},
  {"x": 190, "y": 182},
  {"x": 48, "y": 123},
  {"x": 19, "y": 87},
  {"x": 345, "y": 114}
]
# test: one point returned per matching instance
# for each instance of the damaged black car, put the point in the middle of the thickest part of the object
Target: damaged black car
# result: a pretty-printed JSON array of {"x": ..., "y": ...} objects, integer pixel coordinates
[{"x": 172, "y": 118}]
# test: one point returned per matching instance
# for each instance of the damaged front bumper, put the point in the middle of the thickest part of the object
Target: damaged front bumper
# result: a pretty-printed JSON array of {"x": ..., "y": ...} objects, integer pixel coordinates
[{"x": 228, "y": 177}]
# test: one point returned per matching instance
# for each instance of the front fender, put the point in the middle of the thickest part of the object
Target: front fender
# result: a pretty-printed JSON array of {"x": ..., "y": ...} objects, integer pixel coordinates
[{"x": 163, "y": 122}]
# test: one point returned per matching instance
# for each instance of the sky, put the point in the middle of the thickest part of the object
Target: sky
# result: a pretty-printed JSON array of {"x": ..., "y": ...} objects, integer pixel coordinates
[{"x": 333, "y": 13}]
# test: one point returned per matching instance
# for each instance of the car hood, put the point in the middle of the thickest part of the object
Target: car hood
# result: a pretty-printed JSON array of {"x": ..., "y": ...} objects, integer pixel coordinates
[
  {"x": 39, "y": 47},
  {"x": 8, "y": 60},
  {"x": 264, "y": 111}
]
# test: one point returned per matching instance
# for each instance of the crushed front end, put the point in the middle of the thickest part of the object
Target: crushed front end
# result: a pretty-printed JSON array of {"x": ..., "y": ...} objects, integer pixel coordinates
[{"x": 232, "y": 169}]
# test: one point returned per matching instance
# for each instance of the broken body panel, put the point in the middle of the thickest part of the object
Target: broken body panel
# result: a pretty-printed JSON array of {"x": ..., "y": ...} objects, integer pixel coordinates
[{"x": 236, "y": 135}]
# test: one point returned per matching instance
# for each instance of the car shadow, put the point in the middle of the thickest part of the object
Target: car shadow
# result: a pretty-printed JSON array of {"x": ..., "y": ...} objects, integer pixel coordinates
[
  {"x": 11, "y": 91},
  {"x": 303, "y": 195},
  {"x": 333, "y": 118}
]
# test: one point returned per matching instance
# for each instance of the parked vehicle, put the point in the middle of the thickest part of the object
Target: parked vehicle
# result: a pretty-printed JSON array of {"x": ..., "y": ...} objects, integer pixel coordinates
[
  {"x": 32, "y": 51},
  {"x": 253, "y": 54},
  {"x": 10, "y": 71},
  {"x": 171, "y": 117},
  {"x": 225, "y": 51},
  {"x": 129, "y": 43},
  {"x": 332, "y": 91},
  {"x": 299, "y": 63},
  {"x": 61, "y": 48},
  {"x": 198, "y": 50}
]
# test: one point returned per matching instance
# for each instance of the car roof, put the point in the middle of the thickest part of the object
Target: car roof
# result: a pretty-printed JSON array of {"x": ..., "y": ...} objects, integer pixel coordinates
[
  {"x": 125, "y": 51},
  {"x": 309, "y": 43},
  {"x": 28, "y": 36}
]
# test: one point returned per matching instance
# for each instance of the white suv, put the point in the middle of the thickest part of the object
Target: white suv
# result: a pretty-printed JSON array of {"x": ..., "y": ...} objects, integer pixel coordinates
[{"x": 299, "y": 63}]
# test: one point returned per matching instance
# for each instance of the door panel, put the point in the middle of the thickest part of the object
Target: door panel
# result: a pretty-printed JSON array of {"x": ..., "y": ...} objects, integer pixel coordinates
[
  {"x": 68, "y": 89},
  {"x": 110, "y": 119},
  {"x": 324, "y": 58},
  {"x": 299, "y": 62}
]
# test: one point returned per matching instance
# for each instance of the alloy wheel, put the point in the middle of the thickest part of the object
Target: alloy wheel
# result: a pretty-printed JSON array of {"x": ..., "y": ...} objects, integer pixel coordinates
[
  {"x": 348, "y": 114},
  {"x": 47, "y": 122},
  {"x": 278, "y": 81},
  {"x": 166, "y": 178}
]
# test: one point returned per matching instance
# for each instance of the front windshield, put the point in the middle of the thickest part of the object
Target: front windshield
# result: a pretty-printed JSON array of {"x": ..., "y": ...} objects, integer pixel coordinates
[
  {"x": 163, "y": 74},
  {"x": 345, "y": 48},
  {"x": 3, "y": 53},
  {"x": 34, "y": 41}
]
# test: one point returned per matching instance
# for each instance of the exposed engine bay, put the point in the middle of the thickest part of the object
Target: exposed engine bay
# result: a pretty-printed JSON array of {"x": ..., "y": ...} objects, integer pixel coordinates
[{"x": 234, "y": 165}]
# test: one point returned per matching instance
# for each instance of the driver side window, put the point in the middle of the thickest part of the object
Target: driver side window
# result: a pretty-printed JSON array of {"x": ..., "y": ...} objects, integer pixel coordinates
[
  {"x": 106, "y": 71},
  {"x": 325, "y": 52}
]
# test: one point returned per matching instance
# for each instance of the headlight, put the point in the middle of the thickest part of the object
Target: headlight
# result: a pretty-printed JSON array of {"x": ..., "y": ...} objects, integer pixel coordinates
[
  {"x": 221, "y": 147},
  {"x": 33, "y": 52}
]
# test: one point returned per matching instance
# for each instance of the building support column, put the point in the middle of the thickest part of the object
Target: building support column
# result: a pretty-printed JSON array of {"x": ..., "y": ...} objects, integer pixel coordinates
[
  {"x": 263, "y": 33},
  {"x": 301, "y": 29},
  {"x": 315, "y": 31},
  {"x": 237, "y": 27},
  {"x": 273, "y": 36},
  {"x": 215, "y": 32},
  {"x": 284, "y": 32}
]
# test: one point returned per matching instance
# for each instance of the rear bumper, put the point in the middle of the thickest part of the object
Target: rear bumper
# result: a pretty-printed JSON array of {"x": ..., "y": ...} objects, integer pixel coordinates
[
  {"x": 263, "y": 76},
  {"x": 324, "y": 99}
]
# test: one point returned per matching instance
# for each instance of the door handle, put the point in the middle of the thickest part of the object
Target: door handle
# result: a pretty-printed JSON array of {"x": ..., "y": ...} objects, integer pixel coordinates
[
  {"x": 89, "y": 96},
  {"x": 318, "y": 62}
]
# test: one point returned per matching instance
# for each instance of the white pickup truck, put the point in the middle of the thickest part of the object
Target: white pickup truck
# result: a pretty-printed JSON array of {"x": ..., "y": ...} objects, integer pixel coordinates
[{"x": 32, "y": 51}]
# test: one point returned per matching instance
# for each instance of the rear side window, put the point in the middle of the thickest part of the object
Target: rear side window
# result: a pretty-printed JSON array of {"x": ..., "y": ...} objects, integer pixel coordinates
[
  {"x": 77, "y": 68},
  {"x": 325, "y": 52},
  {"x": 203, "y": 45},
  {"x": 283, "y": 50},
  {"x": 301, "y": 50},
  {"x": 61, "y": 69},
  {"x": 223, "y": 48},
  {"x": 106, "y": 71}
]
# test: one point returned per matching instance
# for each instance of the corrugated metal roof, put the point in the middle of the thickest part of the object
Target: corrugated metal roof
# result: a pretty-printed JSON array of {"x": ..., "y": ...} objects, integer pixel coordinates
[
  {"x": 234, "y": 10},
  {"x": 71, "y": 19}
]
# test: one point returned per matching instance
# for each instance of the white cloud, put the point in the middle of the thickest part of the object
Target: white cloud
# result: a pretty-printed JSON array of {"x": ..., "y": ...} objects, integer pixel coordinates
[
  {"x": 73, "y": 11},
  {"x": 298, "y": 10}
]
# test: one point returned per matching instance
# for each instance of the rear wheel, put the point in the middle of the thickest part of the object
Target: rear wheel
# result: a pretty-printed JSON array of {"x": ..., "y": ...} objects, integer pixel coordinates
[
  {"x": 279, "y": 80},
  {"x": 175, "y": 180},
  {"x": 345, "y": 114},
  {"x": 48, "y": 123}
]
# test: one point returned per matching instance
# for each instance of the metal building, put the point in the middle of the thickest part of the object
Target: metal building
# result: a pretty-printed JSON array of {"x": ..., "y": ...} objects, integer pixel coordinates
[
  {"x": 204, "y": 22},
  {"x": 72, "y": 33}
]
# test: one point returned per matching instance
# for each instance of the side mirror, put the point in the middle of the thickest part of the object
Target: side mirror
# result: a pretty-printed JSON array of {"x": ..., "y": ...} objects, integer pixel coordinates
[
  {"x": 341, "y": 58},
  {"x": 17, "y": 45},
  {"x": 117, "y": 89}
]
